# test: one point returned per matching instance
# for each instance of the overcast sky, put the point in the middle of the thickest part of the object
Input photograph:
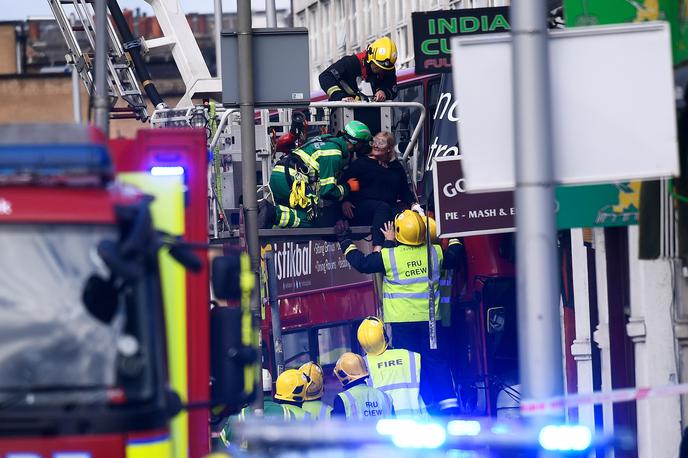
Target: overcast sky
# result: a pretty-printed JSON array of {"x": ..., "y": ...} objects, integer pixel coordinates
[{"x": 21, "y": 9}]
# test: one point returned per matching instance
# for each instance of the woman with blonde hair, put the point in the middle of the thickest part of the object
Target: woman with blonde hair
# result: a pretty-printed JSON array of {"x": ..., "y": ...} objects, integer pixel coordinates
[{"x": 383, "y": 188}]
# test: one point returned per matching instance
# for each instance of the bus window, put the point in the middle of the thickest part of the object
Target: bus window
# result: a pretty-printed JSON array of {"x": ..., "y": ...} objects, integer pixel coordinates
[
  {"x": 404, "y": 120},
  {"x": 296, "y": 349},
  {"x": 332, "y": 342},
  {"x": 433, "y": 98}
]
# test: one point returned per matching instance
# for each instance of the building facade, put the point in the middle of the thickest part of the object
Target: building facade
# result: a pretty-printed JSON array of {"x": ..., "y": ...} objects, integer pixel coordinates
[{"x": 340, "y": 27}]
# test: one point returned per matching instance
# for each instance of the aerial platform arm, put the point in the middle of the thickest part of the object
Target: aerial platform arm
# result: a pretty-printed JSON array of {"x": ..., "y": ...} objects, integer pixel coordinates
[{"x": 179, "y": 38}]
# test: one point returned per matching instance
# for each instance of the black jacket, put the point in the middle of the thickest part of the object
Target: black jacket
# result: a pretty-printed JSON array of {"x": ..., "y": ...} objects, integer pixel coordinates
[
  {"x": 346, "y": 70},
  {"x": 387, "y": 184},
  {"x": 453, "y": 257}
]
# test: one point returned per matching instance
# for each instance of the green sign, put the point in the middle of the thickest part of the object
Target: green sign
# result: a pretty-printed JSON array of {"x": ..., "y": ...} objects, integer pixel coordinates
[
  {"x": 432, "y": 31},
  {"x": 616, "y": 204},
  {"x": 598, "y": 205},
  {"x": 594, "y": 12}
]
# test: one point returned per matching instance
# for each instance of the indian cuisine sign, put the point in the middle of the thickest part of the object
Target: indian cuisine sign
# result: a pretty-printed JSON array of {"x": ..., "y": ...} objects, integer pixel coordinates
[{"x": 432, "y": 30}]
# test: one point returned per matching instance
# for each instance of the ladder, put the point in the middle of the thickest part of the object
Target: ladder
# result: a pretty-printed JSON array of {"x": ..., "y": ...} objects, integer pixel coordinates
[{"x": 77, "y": 26}]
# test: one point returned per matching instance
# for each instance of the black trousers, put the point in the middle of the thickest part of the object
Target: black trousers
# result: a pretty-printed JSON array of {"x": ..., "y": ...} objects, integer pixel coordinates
[
  {"x": 436, "y": 382},
  {"x": 373, "y": 213}
]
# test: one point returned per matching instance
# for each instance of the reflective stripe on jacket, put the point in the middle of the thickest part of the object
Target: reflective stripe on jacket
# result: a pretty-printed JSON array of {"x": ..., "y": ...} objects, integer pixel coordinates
[
  {"x": 405, "y": 292},
  {"x": 396, "y": 373},
  {"x": 363, "y": 402},
  {"x": 446, "y": 284},
  {"x": 317, "y": 409}
]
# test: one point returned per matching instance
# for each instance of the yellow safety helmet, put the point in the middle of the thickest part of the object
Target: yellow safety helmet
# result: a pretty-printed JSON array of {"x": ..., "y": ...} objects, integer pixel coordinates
[
  {"x": 409, "y": 228},
  {"x": 350, "y": 367},
  {"x": 291, "y": 386},
  {"x": 383, "y": 53},
  {"x": 314, "y": 387},
  {"x": 372, "y": 337}
]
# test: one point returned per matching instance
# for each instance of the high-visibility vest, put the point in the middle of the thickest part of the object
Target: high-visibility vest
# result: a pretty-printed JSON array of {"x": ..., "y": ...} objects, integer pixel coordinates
[
  {"x": 396, "y": 373},
  {"x": 318, "y": 409},
  {"x": 296, "y": 413},
  {"x": 270, "y": 409},
  {"x": 405, "y": 292},
  {"x": 363, "y": 402},
  {"x": 446, "y": 287},
  {"x": 446, "y": 284}
]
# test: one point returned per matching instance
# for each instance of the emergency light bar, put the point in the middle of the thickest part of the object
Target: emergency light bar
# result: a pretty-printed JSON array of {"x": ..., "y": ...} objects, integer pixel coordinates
[
  {"x": 81, "y": 165},
  {"x": 53, "y": 155}
]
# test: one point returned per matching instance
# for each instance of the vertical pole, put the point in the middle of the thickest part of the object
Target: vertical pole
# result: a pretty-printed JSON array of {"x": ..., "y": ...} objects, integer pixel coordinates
[
  {"x": 100, "y": 101},
  {"x": 218, "y": 38},
  {"x": 601, "y": 333},
  {"x": 539, "y": 330},
  {"x": 582, "y": 345},
  {"x": 76, "y": 95},
  {"x": 270, "y": 13},
  {"x": 274, "y": 311},
  {"x": 248, "y": 156}
]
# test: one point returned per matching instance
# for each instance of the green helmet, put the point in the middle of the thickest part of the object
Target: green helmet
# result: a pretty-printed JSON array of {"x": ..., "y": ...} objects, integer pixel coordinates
[{"x": 356, "y": 131}]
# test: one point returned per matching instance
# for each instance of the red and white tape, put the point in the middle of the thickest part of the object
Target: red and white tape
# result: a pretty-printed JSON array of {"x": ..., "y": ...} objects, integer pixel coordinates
[{"x": 534, "y": 407}]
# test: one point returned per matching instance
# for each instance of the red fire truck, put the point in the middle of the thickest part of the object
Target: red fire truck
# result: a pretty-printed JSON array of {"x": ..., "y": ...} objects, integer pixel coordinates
[{"x": 104, "y": 334}]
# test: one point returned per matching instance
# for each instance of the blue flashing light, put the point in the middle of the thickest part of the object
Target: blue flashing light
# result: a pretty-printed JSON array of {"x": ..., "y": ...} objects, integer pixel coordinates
[
  {"x": 68, "y": 163},
  {"x": 407, "y": 433},
  {"x": 463, "y": 428},
  {"x": 500, "y": 429},
  {"x": 565, "y": 437},
  {"x": 167, "y": 171}
]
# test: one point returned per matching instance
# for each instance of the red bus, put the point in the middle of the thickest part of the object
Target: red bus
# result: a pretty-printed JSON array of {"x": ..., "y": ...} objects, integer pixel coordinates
[{"x": 322, "y": 300}]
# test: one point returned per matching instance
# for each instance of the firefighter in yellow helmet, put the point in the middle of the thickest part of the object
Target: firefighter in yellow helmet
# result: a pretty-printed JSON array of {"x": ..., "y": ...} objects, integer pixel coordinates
[
  {"x": 396, "y": 372},
  {"x": 313, "y": 403},
  {"x": 406, "y": 295},
  {"x": 290, "y": 392},
  {"x": 288, "y": 387},
  {"x": 358, "y": 401},
  {"x": 376, "y": 65}
]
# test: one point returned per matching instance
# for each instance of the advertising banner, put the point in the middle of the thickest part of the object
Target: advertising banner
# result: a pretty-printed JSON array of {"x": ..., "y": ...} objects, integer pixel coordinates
[
  {"x": 432, "y": 30},
  {"x": 304, "y": 266},
  {"x": 458, "y": 213}
]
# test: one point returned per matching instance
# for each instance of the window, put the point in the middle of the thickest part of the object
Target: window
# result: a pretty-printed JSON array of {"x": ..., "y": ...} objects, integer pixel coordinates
[
  {"x": 400, "y": 10},
  {"x": 296, "y": 349},
  {"x": 404, "y": 120},
  {"x": 312, "y": 25},
  {"x": 340, "y": 19},
  {"x": 433, "y": 98},
  {"x": 353, "y": 24},
  {"x": 383, "y": 22},
  {"x": 400, "y": 39},
  {"x": 367, "y": 18},
  {"x": 301, "y": 19},
  {"x": 332, "y": 342}
]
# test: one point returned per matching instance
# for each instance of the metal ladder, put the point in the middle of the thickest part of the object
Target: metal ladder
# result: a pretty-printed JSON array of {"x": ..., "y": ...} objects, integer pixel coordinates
[{"x": 121, "y": 79}]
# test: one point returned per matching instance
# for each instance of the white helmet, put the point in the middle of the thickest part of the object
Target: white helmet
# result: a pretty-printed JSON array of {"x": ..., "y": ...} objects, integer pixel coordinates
[{"x": 267, "y": 381}]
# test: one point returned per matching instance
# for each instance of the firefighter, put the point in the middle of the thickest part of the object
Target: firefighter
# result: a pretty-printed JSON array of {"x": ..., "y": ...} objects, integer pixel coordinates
[
  {"x": 305, "y": 181},
  {"x": 282, "y": 407},
  {"x": 358, "y": 401},
  {"x": 406, "y": 298},
  {"x": 314, "y": 391},
  {"x": 374, "y": 65},
  {"x": 396, "y": 372},
  {"x": 290, "y": 391}
]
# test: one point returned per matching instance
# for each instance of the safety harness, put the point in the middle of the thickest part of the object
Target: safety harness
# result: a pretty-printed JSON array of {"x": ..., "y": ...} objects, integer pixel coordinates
[{"x": 302, "y": 175}]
